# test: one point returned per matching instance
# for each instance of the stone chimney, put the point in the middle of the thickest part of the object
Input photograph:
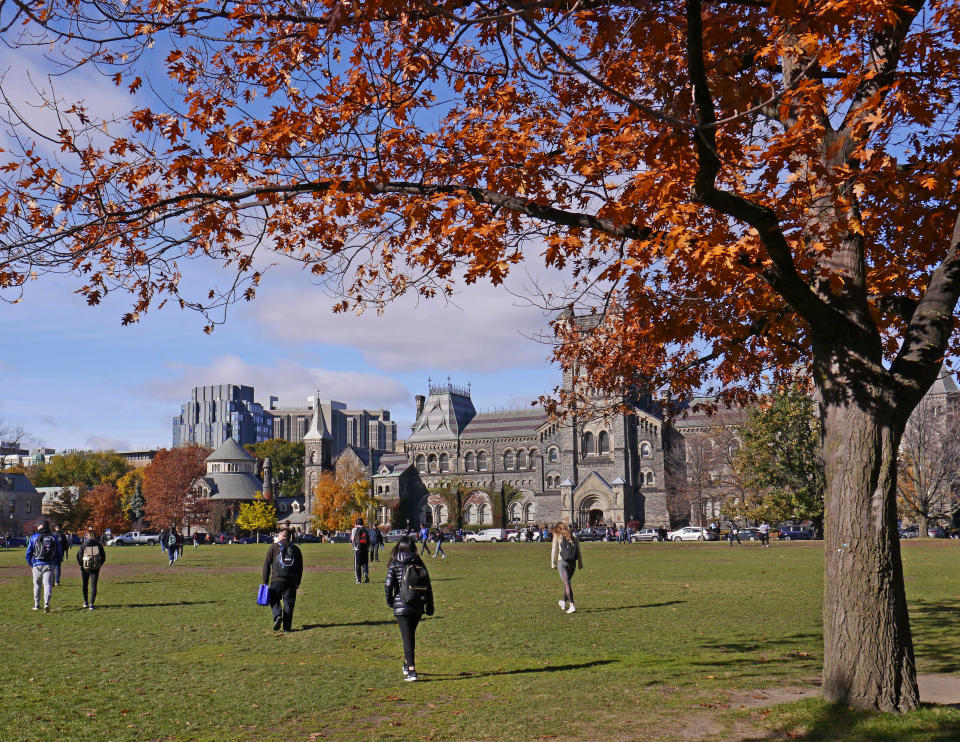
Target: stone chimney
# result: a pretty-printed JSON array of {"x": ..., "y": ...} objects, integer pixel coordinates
[{"x": 420, "y": 400}]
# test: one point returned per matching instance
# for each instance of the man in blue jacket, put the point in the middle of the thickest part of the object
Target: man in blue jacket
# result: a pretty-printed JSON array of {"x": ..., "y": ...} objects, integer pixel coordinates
[{"x": 43, "y": 554}]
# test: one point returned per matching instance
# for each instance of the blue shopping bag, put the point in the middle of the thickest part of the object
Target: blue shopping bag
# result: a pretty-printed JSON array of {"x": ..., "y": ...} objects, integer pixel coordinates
[{"x": 263, "y": 595}]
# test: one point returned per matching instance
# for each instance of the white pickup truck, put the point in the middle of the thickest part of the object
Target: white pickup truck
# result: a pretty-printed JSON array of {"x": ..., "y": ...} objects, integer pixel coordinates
[
  {"x": 493, "y": 535},
  {"x": 135, "y": 538}
]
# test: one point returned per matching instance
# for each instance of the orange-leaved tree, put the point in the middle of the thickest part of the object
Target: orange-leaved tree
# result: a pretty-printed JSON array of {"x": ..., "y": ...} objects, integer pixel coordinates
[
  {"x": 733, "y": 187},
  {"x": 167, "y": 486},
  {"x": 105, "y": 509}
]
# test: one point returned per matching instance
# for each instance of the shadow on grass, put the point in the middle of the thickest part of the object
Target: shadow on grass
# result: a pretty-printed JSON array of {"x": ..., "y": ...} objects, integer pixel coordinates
[
  {"x": 162, "y": 605},
  {"x": 816, "y": 721},
  {"x": 936, "y": 641},
  {"x": 309, "y": 627},
  {"x": 429, "y": 676},
  {"x": 629, "y": 607},
  {"x": 745, "y": 647}
]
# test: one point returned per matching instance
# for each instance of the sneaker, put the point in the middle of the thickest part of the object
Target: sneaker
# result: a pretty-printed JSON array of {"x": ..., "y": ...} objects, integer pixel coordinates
[
  {"x": 84, "y": 606},
  {"x": 366, "y": 578},
  {"x": 357, "y": 581},
  {"x": 411, "y": 676},
  {"x": 562, "y": 604},
  {"x": 405, "y": 671},
  {"x": 46, "y": 609},
  {"x": 443, "y": 556},
  {"x": 92, "y": 608},
  {"x": 571, "y": 608},
  {"x": 277, "y": 623},
  {"x": 36, "y": 608}
]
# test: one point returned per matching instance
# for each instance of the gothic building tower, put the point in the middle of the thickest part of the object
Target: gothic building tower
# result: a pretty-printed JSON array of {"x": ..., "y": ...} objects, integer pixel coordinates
[{"x": 318, "y": 453}]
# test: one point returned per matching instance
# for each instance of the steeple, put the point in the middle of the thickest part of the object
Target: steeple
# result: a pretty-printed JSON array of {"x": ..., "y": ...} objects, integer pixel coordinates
[{"x": 318, "y": 426}]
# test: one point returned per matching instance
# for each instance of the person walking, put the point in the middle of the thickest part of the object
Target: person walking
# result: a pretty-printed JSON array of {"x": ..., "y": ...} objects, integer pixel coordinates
[
  {"x": 410, "y": 595},
  {"x": 43, "y": 554},
  {"x": 64, "y": 542},
  {"x": 764, "y": 529},
  {"x": 282, "y": 571},
  {"x": 424, "y": 540},
  {"x": 376, "y": 541},
  {"x": 565, "y": 557},
  {"x": 90, "y": 557},
  {"x": 360, "y": 540},
  {"x": 196, "y": 540},
  {"x": 439, "y": 538},
  {"x": 172, "y": 546},
  {"x": 734, "y": 534}
]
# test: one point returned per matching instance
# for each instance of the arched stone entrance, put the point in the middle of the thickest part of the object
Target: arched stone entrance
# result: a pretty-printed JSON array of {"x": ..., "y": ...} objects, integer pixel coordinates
[{"x": 592, "y": 511}]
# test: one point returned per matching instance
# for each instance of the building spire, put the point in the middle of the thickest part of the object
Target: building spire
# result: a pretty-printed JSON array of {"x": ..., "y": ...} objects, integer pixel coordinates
[{"x": 318, "y": 427}]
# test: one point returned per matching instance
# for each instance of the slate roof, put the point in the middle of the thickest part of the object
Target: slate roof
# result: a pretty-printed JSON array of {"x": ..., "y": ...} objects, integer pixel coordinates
[
  {"x": 233, "y": 485},
  {"x": 513, "y": 424},
  {"x": 395, "y": 462},
  {"x": 230, "y": 450},
  {"x": 18, "y": 483}
]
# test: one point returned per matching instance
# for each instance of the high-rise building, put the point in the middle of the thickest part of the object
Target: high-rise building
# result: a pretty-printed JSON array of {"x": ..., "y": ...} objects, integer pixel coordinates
[{"x": 216, "y": 413}]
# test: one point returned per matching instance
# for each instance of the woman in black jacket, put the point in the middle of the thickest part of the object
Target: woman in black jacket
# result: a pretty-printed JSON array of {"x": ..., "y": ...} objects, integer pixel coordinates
[
  {"x": 408, "y": 612},
  {"x": 90, "y": 557}
]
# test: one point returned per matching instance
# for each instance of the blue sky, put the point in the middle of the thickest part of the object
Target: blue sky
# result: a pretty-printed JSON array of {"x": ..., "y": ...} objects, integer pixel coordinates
[{"x": 73, "y": 377}]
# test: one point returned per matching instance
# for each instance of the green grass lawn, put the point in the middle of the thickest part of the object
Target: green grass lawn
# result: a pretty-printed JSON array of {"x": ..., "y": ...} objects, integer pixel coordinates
[{"x": 667, "y": 641}]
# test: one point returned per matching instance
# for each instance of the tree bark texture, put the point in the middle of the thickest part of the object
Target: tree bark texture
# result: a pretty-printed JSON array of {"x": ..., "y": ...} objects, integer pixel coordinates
[{"x": 868, "y": 648}]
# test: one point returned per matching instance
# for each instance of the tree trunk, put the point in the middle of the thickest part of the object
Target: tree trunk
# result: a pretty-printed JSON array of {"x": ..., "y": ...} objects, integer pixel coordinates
[
  {"x": 924, "y": 526},
  {"x": 868, "y": 658}
]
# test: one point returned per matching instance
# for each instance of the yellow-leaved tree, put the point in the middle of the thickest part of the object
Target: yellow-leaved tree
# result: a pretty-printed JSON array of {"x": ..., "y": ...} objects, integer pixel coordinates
[{"x": 258, "y": 515}]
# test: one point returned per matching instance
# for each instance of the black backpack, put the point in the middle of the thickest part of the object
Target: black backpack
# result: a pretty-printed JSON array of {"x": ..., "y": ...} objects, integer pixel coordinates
[
  {"x": 284, "y": 563},
  {"x": 44, "y": 548},
  {"x": 568, "y": 551},
  {"x": 362, "y": 539},
  {"x": 414, "y": 584},
  {"x": 172, "y": 539}
]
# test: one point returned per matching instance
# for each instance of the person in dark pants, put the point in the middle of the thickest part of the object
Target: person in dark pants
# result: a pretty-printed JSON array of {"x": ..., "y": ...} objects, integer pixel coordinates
[
  {"x": 282, "y": 571},
  {"x": 360, "y": 541},
  {"x": 439, "y": 537},
  {"x": 172, "y": 547},
  {"x": 408, "y": 613},
  {"x": 64, "y": 542},
  {"x": 424, "y": 540},
  {"x": 376, "y": 541},
  {"x": 734, "y": 534},
  {"x": 90, "y": 557}
]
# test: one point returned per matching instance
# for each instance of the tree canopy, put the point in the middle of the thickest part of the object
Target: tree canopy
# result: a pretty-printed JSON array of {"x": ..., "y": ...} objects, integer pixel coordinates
[
  {"x": 775, "y": 182},
  {"x": 167, "y": 487},
  {"x": 258, "y": 515},
  {"x": 286, "y": 460},
  {"x": 82, "y": 468}
]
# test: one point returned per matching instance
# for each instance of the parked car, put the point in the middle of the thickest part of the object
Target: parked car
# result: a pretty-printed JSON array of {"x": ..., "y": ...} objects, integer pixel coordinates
[
  {"x": 688, "y": 533},
  {"x": 591, "y": 534},
  {"x": 392, "y": 537},
  {"x": 131, "y": 538},
  {"x": 795, "y": 533},
  {"x": 493, "y": 535},
  {"x": 13, "y": 542},
  {"x": 749, "y": 534},
  {"x": 644, "y": 534},
  {"x": 340, "y": 537},
  {"x": 308, "y": 538},
  {"x": 263, "y": 538}
]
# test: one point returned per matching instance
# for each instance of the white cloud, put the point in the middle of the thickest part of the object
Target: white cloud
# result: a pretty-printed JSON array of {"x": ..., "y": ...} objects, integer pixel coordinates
[
  {"x": 106, "y": 443},
  {"x": 484, "y": 328},
  {"x": 291, "y": 381}
]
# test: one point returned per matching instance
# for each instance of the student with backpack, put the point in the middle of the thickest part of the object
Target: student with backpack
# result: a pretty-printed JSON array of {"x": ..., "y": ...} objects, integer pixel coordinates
[
  {"x": 172, "y": 546},
  {"x": 43, "y": 554},
  {"x": 376, "y": 541},
  {"x": 90, "y": 557},
  {"x": 424, "y": 540},
  {"x": 410, "y": 594},
  {"x": 282, "y": 571},
  {"x": 565, "y": 557},
  {"x": 360, "y": 541}
]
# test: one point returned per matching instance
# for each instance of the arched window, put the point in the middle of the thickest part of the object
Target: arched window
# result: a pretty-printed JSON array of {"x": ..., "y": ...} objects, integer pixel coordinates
[
  {"x": 553, "y": 455},
  {"x": 481, "y": 514},
  {"x": 444, "y": 462},
  {"x": 428, "y": 515},
  {"x": 589, "y": 444},
  {"x": 314, "y": 457},
  {"x": 470, "y": 462},
  {"x": 603, "y": 443},
  {"x": 470, "y": 514},
  {"x": 529, "y": 512},
  {"x": 379, "y": 489},
  {"x": 432, "y": 464},
  {"x": 521, "y": 459},
  {"x": 386, "y": 489},
  {"x": 440, "y": 515},
  {"x": 422, "y": 464},
  {"x": 650, "y": 479},
  {"x": 482, "y": 461},
  {"x": 508, "y": 460},
  {"x": 645, "y": 450},
  {"x": 515, "y": 512}
]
